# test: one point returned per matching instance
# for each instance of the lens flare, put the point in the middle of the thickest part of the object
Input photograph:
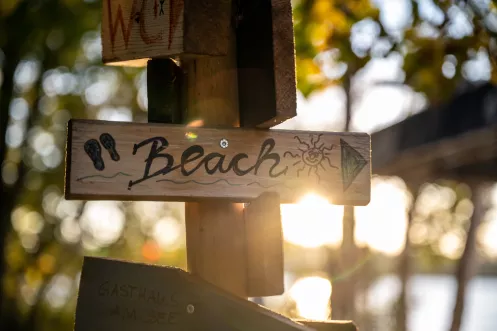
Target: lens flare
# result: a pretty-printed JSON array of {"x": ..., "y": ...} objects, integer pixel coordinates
[{"x": 191, "y": 136}]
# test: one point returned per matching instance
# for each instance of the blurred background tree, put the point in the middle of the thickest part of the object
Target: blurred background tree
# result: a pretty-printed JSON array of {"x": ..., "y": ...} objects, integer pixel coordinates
[
  {"x": 437, "y": 45},
  {"x": 51, "y": 71}
]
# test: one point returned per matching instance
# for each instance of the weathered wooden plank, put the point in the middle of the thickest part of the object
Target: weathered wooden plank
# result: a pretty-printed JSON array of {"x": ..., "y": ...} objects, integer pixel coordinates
[
  {"x": 136, "y": 161},
  {"x": 117, "y": 295},
  {"x": 264, "y": 246},
  {"x": 134, "y": 31},
  {"x": 216, "y": 244},
  {"x": 329, "y": 325},
  {"x": 215, "y": 231},
  {"x": 454, "y": 143},
  {"x": 266, "y": 63},
  {"x": 468, "y": 155},
  {"x": 165, "y": 98}
]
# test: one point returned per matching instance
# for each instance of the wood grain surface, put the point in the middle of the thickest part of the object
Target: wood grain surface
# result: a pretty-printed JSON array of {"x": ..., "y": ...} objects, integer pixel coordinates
[
  {"x": 328, "y": 325},
  {"x": 118, "y": 295},
  {"x": 134, "y": 31},
  {"x": 109, "y": 160},
  {"x": 266, "y": 63},
  {"x": 264, "y": 237},
  {"x": 216, "y": 245}
]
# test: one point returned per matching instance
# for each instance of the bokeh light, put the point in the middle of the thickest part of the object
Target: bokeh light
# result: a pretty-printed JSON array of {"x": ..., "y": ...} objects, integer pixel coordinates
[
  {"x": 312, "y": 295},
  {"x": 312, "y": 222}
]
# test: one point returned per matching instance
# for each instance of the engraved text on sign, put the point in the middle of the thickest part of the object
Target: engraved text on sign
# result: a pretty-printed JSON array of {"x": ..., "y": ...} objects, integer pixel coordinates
[{"x": 126, "y": 161}]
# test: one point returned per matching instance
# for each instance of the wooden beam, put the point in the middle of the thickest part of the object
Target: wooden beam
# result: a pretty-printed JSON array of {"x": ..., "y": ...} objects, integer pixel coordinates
[
  {"x": 329, "y": 325},
  {"x": 266, "y": 63},
  {"x": 137, "y": 161},
  {"x": 437, "y": 159},
  {"x": 118, "y": 295},
  {"x": 452, "y": 139},
  {"x": 164, "y": 90},
  {"x": 265, "y": 274},
  {"x": 133, "y": 31},
  {"x": 215, "y": 244},
  {"x": 216, "y": 238},
  {"x": 215, "y": 232}
]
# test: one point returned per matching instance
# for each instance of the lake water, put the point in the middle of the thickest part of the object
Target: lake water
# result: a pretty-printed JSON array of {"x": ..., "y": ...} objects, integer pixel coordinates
[{"x": 432, "y": 300}]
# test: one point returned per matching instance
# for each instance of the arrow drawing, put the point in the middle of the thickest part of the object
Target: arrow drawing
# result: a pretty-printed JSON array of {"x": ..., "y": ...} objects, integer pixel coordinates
[{"x": 352, "y": 164}]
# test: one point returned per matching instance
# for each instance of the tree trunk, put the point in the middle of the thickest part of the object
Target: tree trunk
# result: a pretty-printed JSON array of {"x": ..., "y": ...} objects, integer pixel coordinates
[
  {"x": 467, "y": 263},
  {"x": 343, "y": 297},
  {"x": 404, "y": 268},
  {"x": 12, "y": 55},
  {"x": 10, "y": 318}
]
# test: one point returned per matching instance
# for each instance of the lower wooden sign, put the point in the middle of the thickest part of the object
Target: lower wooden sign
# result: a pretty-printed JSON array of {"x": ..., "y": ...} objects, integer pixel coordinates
[
  {"x": 136, "y": 161},
  {"x": 117, "y": 295}
]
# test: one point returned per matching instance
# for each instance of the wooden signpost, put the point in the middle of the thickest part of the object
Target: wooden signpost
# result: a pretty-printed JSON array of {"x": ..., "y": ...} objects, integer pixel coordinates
[
  {"x": 134, "y": 31},
  {"x": 125, "y": 161},
  {"x": 235, "y": 65},
  {"x": 117, "y": 295}
]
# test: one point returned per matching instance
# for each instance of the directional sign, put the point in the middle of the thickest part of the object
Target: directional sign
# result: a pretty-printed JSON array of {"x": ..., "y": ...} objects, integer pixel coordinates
[
  {"x": 115, "y": 295},
  {"x": 132, "y": 161},
  {"x": 136, "y": 30}
]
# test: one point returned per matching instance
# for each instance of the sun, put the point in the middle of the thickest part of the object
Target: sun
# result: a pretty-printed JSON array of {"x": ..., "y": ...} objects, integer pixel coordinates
[{"x": 312, "y": 155}]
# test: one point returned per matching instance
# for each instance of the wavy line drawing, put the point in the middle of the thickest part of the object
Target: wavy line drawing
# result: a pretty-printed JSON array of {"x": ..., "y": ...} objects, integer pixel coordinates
[
  {"x": 81, "y": 179},
  {"x": 200, "y": 183},
  {"x": 301, "y": 142},
  {"x": 227, "y": 182},
  {"x": 269, "y": 186},
  {"x": 291, "y": 154},
  {"x": 312, "y": 139},
  {"x": 288, "y": 186},
  {"x": 264, "y": 186}
]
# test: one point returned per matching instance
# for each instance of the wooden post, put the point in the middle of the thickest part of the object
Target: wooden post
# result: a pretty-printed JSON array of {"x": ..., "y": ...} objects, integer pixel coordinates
[
  {"x": 215, "y": 231},
  {"x": 264, "y": 246},
  {"x": 236, "y": 249}
]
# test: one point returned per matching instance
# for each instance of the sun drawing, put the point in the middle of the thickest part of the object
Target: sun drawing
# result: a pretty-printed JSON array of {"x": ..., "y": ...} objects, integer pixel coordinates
[{"x": 313, "y": 156}]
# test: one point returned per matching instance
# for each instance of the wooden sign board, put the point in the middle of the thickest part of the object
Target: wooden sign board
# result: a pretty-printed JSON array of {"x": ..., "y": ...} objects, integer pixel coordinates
[
  {"x": 136, "y": 30},
  {"x": 137, "y": 161},
  {"x": 329, "y": 325},
  {"x": 267, "y": 87},
  {"x": 116, "y": 295}
]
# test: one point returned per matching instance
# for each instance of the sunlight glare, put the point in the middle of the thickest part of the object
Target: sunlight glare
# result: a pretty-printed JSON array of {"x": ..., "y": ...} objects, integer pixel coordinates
[
  {"x": 382, "y": 224},
  {"x": 70, "y": 230},
  {"x": 451, "y": 244},
  {"x": 487, "y": 232},
  {"x": 104, "y": 220},
  {"x": 59, "y": 291},
  {"x": 148, "y": 212},
  {"x": 195, "y": 123},
  {"x": 312, "y": 222},
  {"x": 167, "y": 232},
  {"x": 312, "y": 295}
]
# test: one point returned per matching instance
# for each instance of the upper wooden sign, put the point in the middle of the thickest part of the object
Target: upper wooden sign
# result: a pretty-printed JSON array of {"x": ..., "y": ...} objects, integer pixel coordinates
[
  {"x": 134, "y": 161},
  {"x": 136, "y": 30}
]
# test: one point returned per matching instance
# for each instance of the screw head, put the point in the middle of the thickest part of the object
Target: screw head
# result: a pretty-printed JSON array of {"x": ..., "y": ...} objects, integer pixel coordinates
[
  {"x": 223, "y": 143},
  {"x": 190, "y": 309}
]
